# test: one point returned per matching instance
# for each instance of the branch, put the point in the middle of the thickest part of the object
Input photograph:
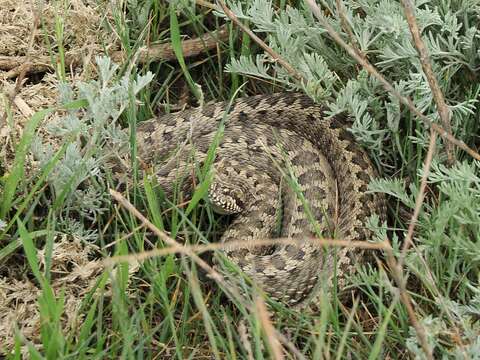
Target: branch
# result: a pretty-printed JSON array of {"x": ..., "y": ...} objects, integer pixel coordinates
[
  {"x": 244, "y": 244},
  {"x": 182, "y": 249},
  {"x": 347, "y": 28},
  {"x": 444, "y": 134},
  {"x": 397, "y": 274},
  {"x": 270, "y": 333},
  {"x": 420, "y": 197},
  {"x": 290, "y": 69},
  {"x": 229, "y": 289},
  {"x": 190, "y": 48},
  {"x": 395, "y": 267},
  {"x": 442, "y": 107}
]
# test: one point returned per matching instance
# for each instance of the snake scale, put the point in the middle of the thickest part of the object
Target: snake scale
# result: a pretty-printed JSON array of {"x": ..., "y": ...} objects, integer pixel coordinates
[{"x": 278, "y": 155}]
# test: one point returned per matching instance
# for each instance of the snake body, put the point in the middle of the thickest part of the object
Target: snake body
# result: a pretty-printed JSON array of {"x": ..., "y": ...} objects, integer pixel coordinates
[{"x": 277, "y": 154}]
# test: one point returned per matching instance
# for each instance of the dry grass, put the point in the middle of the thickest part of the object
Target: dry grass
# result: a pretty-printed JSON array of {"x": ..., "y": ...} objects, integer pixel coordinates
[
  {"x": 73, "y": 273},
  {"x": 72, "y": 269}
]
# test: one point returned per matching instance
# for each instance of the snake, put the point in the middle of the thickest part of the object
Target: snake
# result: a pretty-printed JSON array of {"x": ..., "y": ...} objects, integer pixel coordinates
[{"x": 281, "y": 168}]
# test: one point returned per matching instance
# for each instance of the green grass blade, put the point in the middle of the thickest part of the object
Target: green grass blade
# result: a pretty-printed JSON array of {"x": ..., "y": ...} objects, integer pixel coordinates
[
  {"x": 153, "y": 202},
  {"x": 41, "y": 180},
  {"x": 381, "y": 334},
  {"x": 87, "y": 326},
  {"x": 177, "y": 49},
  {"x": 30, "y": 251},
  {"x": 8, "y": 249},
  {"x": 346, "y": 331},
  {"x": 13, "y": 179},
  {"x": 16, "y": 175},
  {"x": 212, "y": 332},
  {"x": 59, "y": 36},
  {"x": 199, "y": 194}
]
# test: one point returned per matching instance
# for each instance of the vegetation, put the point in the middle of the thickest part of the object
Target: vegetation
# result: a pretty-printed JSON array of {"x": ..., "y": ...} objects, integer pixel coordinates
[{"x": 163, "y": 307}]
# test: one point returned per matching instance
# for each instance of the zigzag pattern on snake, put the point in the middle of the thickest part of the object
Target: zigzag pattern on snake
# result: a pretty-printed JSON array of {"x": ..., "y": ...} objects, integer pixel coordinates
[{"x": 269, "y": 143}]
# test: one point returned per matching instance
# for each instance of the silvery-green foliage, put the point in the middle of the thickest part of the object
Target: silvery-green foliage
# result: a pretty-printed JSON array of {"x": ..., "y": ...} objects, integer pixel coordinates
[
  {"x": 77, "y": 229},
  {"x": 447, "y": 237},
  {"x": 455, "y": 220},
  {"x": 257, "y": 68},
  {"x": 138, "y": 14},
  {"x": 289, "y": 35},
  {"x": 319, "y": 77},
  {"x": 70, "y": 124},
  {"x": 381, "y": 31},
  {"x": 74, "y": 169},
  {"x": 93, "y": 137},
  {"x": 93, "y": 201},
  {"x": 447, "y": 233},
  {"x": 436, "y": 329},
  {"x": 395, "y": 188}
]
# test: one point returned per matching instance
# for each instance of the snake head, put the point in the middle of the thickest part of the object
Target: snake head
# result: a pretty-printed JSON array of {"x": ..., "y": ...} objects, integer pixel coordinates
[{"x": 225, "y": 198}]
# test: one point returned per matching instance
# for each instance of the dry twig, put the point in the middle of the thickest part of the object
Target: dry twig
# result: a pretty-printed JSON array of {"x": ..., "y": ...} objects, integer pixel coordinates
[
  {"x": 242, "y": 244},
  {"x": 395, "y": 267},
  {"x": 442, "y": 107},
  {"x": 270, "y": 333},
  {"x": 185, "y": 250},
  {"x": 276, "y": 57},
  {"x": 389, "y": 87},
  {"x": 190, "y": 48},
  {"x": 420, "y": 197},
  {"x": 290, "y": 346},
  {"x": 245, "y": 339},
  {"x": 397, "y": 273},
  {"x": 347, "y": 28},
  {"x": 167, "y": 239},
  {"x": 207, "y": 4}
]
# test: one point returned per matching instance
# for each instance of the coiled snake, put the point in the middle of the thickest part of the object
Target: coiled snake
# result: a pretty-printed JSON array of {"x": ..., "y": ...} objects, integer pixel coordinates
[{"x": 277, "y": 152}]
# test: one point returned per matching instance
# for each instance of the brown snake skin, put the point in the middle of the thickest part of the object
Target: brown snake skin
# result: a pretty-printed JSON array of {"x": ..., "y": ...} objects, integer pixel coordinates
[{"x": 269, "y": 143}]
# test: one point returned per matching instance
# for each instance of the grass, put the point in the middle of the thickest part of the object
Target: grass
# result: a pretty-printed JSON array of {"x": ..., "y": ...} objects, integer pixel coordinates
[{"x": 164, "y": 307}]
